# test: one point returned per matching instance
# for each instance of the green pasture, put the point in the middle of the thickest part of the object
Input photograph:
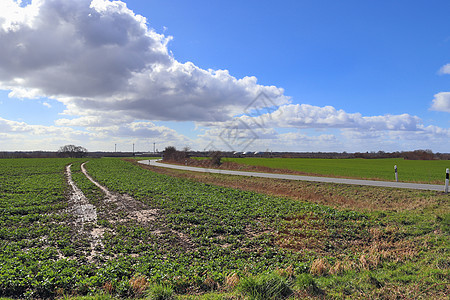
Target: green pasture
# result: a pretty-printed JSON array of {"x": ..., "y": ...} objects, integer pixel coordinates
[{"x": 427, "y": 171}]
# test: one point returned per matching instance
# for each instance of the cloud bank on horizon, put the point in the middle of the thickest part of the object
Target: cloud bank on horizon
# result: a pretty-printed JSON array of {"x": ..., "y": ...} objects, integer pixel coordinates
[{"x": 116, "y": 77}]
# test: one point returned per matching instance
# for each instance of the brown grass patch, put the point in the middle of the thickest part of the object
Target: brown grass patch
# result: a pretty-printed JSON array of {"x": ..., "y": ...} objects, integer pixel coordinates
[
  {"x": 108, "y": 288},
  {"x": 341, "y": 266},
  {"x": 375, "y": 244},
  {"x": 288, "y": 272},
  {"x": 302, "y": 232},
  {"x": 139, "y": 284},
  {"x": 209, "y": 283},
  {"x": 231, "y": 281},
  {"x": 320, "y": 267}
]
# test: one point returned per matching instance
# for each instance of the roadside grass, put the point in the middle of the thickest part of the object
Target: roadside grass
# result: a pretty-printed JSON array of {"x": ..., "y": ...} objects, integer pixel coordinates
[
  {"x": 270, "y": 286},
  {"x": 430, "y": 171}
]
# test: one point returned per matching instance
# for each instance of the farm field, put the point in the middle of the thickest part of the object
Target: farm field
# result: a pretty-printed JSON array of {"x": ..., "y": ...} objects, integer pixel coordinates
[
  {"x": 430, "y": 171},
  {"x": 153, "y": 234}
]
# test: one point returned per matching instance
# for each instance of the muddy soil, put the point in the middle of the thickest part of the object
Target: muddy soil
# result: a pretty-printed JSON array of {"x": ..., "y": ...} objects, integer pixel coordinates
[
  {"x": 117, "y": 209},
  {"x": 85, "y": 214},
  {"x": 78, "y": 203},
  {"x": 123, "y": 208}
]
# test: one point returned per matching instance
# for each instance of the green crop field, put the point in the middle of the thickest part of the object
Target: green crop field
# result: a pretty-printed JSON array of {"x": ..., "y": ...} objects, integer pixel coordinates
[
  {"x": 162, "y": 237},
  {"x": 430, "y": 171}
]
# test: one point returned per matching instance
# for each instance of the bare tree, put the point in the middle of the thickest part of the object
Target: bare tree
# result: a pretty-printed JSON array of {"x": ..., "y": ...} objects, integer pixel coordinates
[
  {"x": 216, "y": 158},
  {"x": 172, "y": 154},
  {"x": 72, "y": 151}
]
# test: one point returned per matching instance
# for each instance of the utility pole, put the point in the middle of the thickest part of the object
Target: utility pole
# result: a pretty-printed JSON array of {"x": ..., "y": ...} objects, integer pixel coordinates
[
  {"x": 154, "y": 144},
  {"x": 133, "y": 148}
]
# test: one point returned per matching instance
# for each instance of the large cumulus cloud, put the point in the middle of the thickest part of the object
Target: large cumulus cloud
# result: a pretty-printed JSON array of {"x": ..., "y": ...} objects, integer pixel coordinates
[
  {"x": 16, "y": 135},
  {"x": 306, "y": 116},
  {"x": 310, "y": 127},
  {"x": 98, "y": 58},
  {"x": 441, "y": 102},
  {"x": 310, "y": 116}
]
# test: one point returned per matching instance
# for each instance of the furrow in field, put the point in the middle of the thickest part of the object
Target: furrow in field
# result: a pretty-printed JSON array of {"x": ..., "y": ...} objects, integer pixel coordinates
[
  {"x": 79, "y": 204},
  {"x": 85, "y": 214}
]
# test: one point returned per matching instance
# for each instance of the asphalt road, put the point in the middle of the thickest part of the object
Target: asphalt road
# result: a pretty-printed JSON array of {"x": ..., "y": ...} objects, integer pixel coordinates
[{"x": 400, "y": 185}]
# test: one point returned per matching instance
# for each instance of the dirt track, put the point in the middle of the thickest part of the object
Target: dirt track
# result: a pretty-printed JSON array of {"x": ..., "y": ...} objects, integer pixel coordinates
[
  {"x": 114, "y": 207},
  {"x": 85, "y": 214},
  {"x": 135, "y": 210}
]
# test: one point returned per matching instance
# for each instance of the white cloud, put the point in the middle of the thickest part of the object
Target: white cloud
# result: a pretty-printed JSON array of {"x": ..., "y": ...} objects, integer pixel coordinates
[
  {"x": 309, "y": 116},
  {"x": 14, "y": 14},
  {"x": 441, "y": 102},
  {"x": 92, "y": 121},
  {"x": 344, "y": 131},
  {"x": 143, "y": 130},
  {"x": 302, "y": 116},
  {"x": 110, "y": 69},
  {"x": 99, "y": 58},
  {"x": 445, "y": 69},
  {"x": 8, "y": 126},
  {"x": 22, "y": 136}
]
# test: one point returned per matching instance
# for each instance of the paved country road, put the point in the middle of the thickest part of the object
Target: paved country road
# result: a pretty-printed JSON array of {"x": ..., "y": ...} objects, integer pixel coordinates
[{"x": 401, "y": 185}]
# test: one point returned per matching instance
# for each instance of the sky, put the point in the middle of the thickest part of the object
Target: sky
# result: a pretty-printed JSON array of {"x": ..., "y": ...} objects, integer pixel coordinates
[{"x": 302, "y": 76}]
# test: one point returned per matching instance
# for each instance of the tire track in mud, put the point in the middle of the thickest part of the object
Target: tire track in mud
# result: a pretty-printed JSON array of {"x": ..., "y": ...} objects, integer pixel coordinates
[
  {"x": 85, "y": 216},
  {"x": 83, "y": 210},
  {"x": 117, "y": 209},
  {"x": 135, "y": 210}
]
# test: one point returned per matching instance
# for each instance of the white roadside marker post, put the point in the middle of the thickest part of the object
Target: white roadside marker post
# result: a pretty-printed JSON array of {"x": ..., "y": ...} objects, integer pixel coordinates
[
  {"x": 396, "y": 173},
  {"x": 446, "y": 181}
]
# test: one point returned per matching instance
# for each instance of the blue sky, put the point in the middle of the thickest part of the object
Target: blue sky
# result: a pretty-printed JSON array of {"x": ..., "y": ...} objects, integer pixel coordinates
[
  {"x": 343, "y": 75},
  {"x": 362, "y": 56}
]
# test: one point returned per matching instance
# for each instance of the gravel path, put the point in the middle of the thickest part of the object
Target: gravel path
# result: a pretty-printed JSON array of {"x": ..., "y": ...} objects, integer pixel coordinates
[{"x": 401, "y": 185}]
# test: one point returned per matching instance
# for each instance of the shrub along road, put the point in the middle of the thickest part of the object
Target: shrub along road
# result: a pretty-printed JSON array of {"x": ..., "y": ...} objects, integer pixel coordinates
[{"x": 402, "y": 185}]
